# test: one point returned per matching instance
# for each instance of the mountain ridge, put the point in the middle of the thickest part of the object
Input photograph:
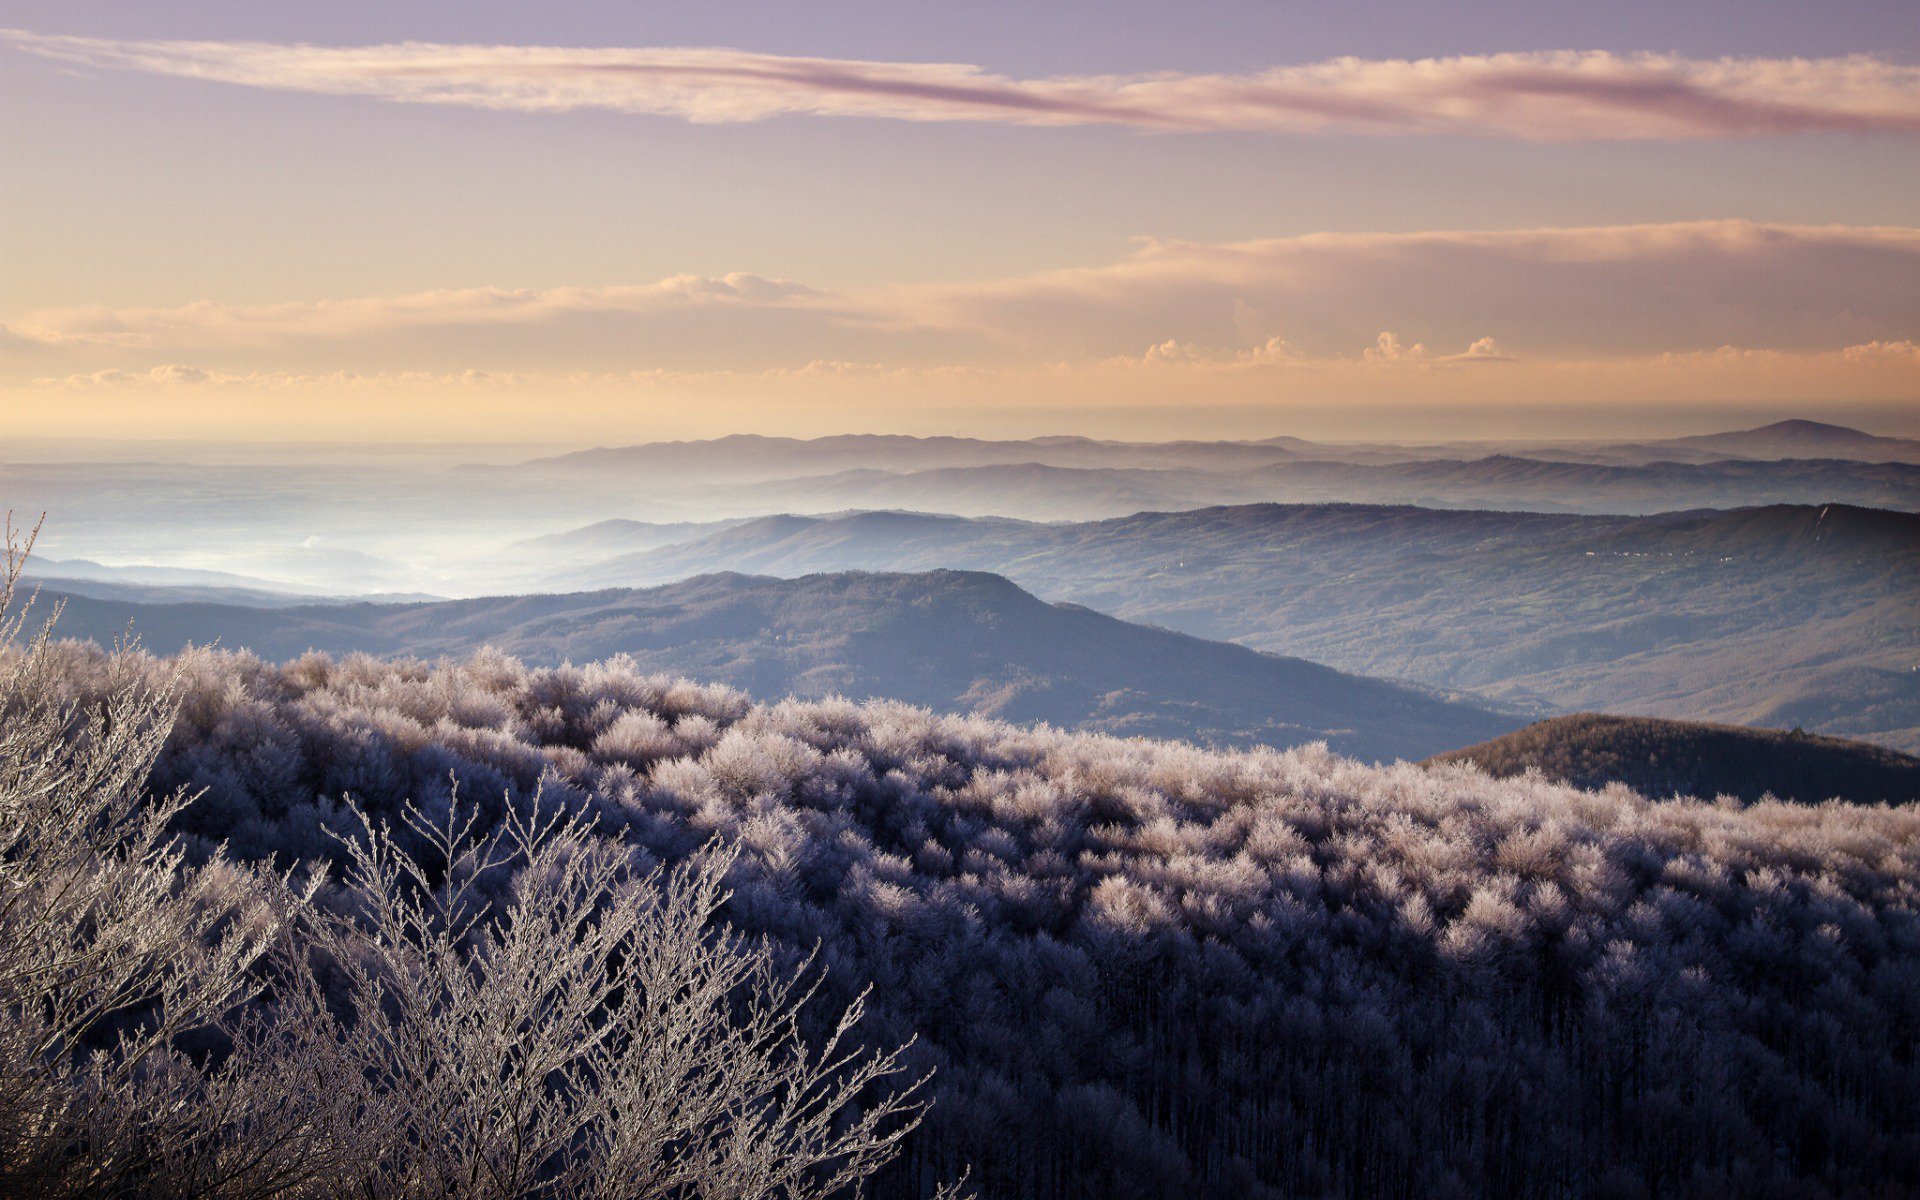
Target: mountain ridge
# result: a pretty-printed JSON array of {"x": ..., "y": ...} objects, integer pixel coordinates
[
  {"x": 954, "y": 641},
  {"x": 1758, "y": 615}
]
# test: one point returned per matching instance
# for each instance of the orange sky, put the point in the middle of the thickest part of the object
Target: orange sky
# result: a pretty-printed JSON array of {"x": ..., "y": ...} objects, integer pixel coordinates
[{"x": 229, "y": 233}]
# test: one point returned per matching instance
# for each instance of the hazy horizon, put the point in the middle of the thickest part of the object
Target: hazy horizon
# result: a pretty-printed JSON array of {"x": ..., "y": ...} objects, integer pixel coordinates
[{"x": 1432, "y": 429}]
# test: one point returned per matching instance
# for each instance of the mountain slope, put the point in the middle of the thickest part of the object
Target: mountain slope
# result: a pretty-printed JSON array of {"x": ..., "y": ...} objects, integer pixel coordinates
[
  {"x": 1082, "y": 479},
  {"x": 615, "y": 536},
  {"x": 1731, "y": 616},
  {"x": 1037, "y": 490},
  {"x": 1665, "y": 758},
  {"x": 1539, "y": 484},
  {"x": 752, "y": 456},
  {"x": 952, "y": 641}
]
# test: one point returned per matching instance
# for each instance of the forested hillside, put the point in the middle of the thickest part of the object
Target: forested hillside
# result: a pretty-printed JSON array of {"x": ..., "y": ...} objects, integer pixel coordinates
[
  {"x": 1145, "y": 969},
  {"x": 1775, "y": 616},
  {"x": 955, "y": 641}
]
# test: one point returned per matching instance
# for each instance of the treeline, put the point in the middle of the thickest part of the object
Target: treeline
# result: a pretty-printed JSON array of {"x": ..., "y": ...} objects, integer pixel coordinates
[{"x": 1143, "y": 969}]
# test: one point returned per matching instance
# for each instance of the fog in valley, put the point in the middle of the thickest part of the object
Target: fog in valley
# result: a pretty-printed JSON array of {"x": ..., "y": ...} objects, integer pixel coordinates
[{"x": 1772, "y": 582}]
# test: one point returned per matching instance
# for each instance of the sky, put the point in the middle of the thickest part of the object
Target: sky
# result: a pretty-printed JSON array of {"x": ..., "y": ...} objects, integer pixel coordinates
[{"x": 593, "y": 223}]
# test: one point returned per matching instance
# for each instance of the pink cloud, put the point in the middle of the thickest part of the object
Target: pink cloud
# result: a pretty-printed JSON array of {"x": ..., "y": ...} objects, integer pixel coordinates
[
  {"x": 1552, "y": 294},
  {"x": 1482, "y": 350},
  {"x": 1555, "y": 96},
  {"x": 1387, "y": 348},
  {"x": 1637, "y": 289}
]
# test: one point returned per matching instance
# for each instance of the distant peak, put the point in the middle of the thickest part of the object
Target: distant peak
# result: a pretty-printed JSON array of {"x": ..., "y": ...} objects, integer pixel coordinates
[{"x": 1800, "y": 426}]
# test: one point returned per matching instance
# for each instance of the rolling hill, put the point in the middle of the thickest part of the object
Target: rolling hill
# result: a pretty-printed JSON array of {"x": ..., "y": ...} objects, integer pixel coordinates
[
  {"x": 615, "y": 536},
  {"x": 1040, "y": 490},
  {"x": 952, "y": 641},
  {"x": 390, "y": 525},
  {"x": 1077, "y": 478},
  {"x": 1776, "y": 615},
  {"x": 750, "y": 456},
  {"x": 1687, "y": 758}
]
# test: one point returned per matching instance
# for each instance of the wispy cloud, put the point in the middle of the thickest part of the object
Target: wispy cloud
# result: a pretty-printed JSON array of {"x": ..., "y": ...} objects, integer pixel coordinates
[
  {"x": 207, "y": 323},
  {"x": 1628, "y": 289},
  {"x": 178, "y": 375},
  {"x": 1546, "y": 294},
  {"x": 1557, "y": 96}
]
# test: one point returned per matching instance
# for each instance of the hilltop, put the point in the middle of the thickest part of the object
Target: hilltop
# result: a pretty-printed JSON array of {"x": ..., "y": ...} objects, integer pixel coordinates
[
  {"x": 1800, "y": 438},
  {"x": 1688, "y": 758}
]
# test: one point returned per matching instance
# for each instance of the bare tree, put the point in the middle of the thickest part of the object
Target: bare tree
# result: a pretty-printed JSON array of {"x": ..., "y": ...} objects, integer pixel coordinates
[
  {"x": 111, "y": 946},
  {"x": 588, "y": 1032}
]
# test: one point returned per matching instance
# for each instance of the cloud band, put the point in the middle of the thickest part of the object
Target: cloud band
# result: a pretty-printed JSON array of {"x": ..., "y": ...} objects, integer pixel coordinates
[
  {"x": 1557, "y": 96},
  {"x": 1544, "y": 294}
]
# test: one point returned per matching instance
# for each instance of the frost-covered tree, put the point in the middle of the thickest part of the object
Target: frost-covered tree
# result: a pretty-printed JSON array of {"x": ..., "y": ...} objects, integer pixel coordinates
[
  {"x": 511, "y": 1009},
  {"x": 1147, "y": 969},
  {"x": 112, "y": 947},
  {"x": 527, "y": 1012}
]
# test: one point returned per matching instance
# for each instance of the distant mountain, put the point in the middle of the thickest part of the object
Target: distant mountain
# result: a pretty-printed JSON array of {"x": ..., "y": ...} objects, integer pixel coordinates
[
  {"x": 949, "y": 640},
  {"x": 163, "y": 585},
  {"x": 385, "y": 526},
  {"x": 778, "y": 545},
  {"x": 616, "y": 536},
  {"x": 1033, "y": 490},
  {"x": 1803, "y": 439},
  {"x": 1077, "y": 478},
  {"x": 1545, "y": 485},
  {"x": 74, "y": 569},
  {"x": 1665, "y": 758},
  {"x": 185, "y": 593},
  {"x": 1748, "y": 615},
  {"x": 1884, "y": 699},
  {"x": 748, "y": 456}
]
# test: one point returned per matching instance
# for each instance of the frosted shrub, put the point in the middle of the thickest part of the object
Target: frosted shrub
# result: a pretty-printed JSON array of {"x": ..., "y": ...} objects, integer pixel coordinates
[
  {"x": 112, "y": 948},
  {"x": 511, "y": 1011},
  {"x": 586, "y": 1031},
  {"x": 1142, "y": 969}
]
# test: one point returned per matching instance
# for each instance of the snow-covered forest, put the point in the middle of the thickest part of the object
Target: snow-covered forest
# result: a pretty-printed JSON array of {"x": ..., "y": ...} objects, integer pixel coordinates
[{"x": 1140, "y": 968}]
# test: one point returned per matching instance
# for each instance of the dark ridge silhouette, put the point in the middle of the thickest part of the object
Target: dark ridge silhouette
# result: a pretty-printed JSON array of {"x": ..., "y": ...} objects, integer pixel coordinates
[
  {"x": 1687, "y": 758},
  {"x": 953, "y": 641}
]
